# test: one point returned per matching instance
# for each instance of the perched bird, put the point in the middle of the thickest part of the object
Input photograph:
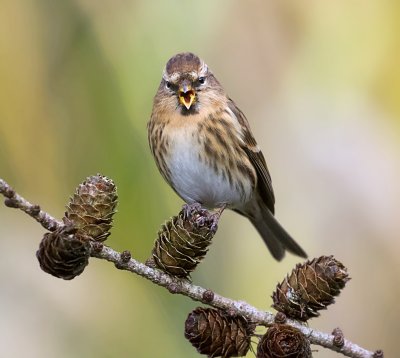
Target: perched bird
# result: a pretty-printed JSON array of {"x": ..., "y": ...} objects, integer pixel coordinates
[{"x": 204, "y": 149}]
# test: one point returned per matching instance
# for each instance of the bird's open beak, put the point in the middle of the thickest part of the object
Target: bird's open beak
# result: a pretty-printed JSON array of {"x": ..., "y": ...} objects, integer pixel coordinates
[{"x": 186, "y": 95}]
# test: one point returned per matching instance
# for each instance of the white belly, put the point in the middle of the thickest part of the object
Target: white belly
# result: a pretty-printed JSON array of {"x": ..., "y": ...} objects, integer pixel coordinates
[{"x": 196, "y": 181}]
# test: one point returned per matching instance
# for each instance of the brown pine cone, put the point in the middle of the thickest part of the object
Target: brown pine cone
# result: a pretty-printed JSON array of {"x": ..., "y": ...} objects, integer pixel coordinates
[
  {"x": 310, "y": 287},
  {"x": 216, "y": 334},
  {"x": 182, "y": 243},
  {"x": 282, "y": 340},
  {"x": 92, "y": 207},
  {"x": 64, "y": 253}
]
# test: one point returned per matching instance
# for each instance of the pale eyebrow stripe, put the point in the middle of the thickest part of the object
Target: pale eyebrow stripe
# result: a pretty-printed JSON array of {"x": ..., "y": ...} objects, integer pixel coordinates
[
  {"x": 203, "y": 68},
  {"x": 194, "y": 74},
  {"x": 173, "y": 77}
]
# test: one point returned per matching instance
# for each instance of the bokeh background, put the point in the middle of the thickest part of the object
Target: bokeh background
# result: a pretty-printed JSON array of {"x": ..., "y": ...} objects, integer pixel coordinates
[{"x": 320, "y": 84}]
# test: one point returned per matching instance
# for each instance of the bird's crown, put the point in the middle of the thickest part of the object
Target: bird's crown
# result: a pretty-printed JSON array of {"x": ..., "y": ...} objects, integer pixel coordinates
[{"x": 184, "y": 63}]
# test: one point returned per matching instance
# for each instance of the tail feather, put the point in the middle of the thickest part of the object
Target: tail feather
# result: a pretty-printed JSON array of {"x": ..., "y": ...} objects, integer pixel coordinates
[{"x": 275, "y": 236}]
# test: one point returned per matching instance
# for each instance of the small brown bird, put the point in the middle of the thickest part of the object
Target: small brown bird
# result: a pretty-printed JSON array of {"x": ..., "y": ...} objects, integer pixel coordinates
[{"x": 204, "y": 149}]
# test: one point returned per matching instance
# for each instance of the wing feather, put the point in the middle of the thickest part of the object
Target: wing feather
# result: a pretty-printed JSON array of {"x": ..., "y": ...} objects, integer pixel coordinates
[{"x": 256, "y": 158}]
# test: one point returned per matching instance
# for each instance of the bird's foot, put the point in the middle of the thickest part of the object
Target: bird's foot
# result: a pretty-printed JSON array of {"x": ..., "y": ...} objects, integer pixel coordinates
[
  {"x": 214, "y": 218},
  {"x": 203, "y": 219},
  {"x": 194, "y": 208},
  {"x": 201, "y": 216}
]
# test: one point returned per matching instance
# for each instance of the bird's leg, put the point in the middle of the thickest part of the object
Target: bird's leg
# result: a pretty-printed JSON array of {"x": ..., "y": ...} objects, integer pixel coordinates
[
  {"x": 193, "y": 208},
  {"x": 214, "y": 218},
  {"x": 203, "y": 216}
]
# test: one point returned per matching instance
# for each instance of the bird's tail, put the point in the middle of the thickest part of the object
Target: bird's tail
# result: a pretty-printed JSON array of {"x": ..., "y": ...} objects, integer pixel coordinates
[{"x": 275, "y": 236}]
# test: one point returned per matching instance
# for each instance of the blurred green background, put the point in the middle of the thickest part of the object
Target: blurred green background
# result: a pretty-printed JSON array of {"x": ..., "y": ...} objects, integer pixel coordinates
[{"x": 320, "y": 84}]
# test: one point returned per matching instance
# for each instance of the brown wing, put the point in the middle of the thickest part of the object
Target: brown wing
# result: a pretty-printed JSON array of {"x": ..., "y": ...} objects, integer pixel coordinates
[{"x": 256, "y": 158}]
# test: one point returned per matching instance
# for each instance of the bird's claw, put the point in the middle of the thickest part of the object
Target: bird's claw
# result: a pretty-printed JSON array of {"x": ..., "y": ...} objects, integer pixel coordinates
[
  {"x": 202, "y": 220},
  {"x": 201, "y": 216},
  {"x": 214, "y": 219},
  {"x": 194, "y": 208}
]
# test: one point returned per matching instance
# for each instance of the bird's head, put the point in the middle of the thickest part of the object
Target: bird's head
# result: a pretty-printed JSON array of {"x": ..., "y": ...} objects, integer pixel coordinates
[{"x": 188, "y": 80}]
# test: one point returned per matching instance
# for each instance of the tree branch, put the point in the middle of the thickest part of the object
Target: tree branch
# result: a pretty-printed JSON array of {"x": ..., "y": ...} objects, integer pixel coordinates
[
  {"x": 184, "y": 287},
  {"x": 14, "y": 200}
]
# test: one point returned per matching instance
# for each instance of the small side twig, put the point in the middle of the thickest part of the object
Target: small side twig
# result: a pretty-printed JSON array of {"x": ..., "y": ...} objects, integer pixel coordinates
[
  {"x": 184, "y": 287},
  {"x": 14, "y": 200}
]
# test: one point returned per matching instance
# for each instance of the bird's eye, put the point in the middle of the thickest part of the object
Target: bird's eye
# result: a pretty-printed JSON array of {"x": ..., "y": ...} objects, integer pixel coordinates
[
  {"x": 202, "y": 80},
  {"x": 168, "y": 85}
]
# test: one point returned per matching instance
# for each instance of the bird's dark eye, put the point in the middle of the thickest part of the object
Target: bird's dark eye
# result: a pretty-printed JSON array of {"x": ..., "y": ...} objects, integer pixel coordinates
[
  {"x": 168, "y": 85},
  {"x": 202, "y": 80}
]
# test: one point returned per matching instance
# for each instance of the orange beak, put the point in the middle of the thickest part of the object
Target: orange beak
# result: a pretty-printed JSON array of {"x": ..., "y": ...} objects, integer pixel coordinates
[{"x": 186, "y": 95}]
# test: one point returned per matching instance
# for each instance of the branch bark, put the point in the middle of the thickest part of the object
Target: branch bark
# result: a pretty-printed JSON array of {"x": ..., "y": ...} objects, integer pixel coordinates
[{"x": 184, "y": 287}]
